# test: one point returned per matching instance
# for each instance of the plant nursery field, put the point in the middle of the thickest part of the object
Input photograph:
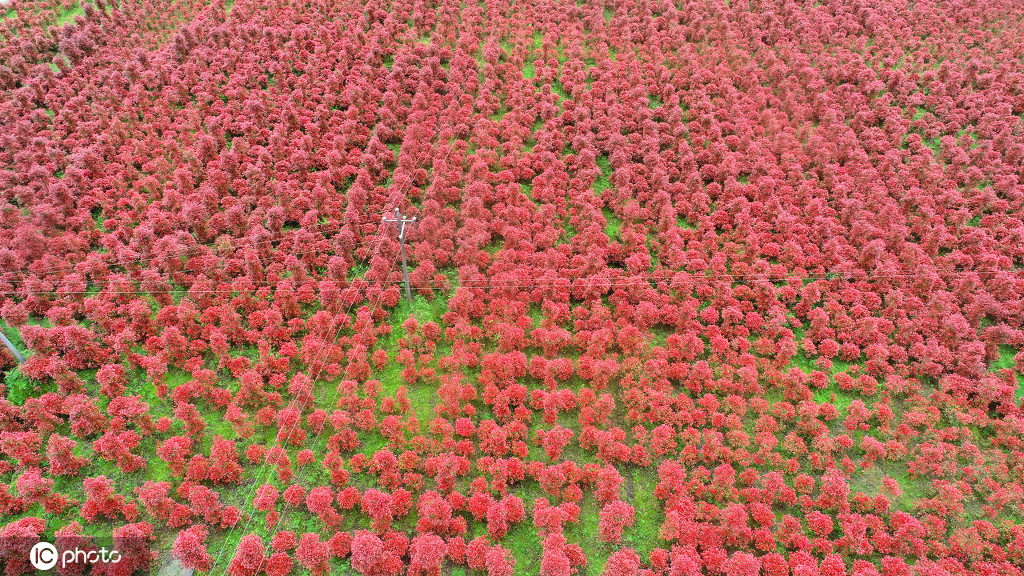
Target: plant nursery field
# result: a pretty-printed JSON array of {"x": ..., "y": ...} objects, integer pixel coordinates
[{"x": 699, "y": 287}]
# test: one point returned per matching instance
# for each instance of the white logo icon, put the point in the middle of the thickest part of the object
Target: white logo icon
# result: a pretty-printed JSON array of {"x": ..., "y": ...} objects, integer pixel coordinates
[{"x": 43, "y": 556}]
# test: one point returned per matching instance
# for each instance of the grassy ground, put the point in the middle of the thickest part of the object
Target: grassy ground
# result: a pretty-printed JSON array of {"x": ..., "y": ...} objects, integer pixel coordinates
[
  {"x": 643, "y": 536},
  {"x": 522, "y": 540},
  {"x": 614, "y": 224},
  {"x": 69, "y": 15},
  {"x": 1005, "y": 362},
  {"x": 602, "y": 183}
]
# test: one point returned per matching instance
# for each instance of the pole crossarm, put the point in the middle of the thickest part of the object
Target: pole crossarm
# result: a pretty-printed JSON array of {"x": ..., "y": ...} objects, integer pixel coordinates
[{"x": 399, "y": 222}]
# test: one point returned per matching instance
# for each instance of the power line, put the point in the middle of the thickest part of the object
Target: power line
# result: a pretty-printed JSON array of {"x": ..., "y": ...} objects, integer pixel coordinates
[
  {"x": 281, "y": 236},
  {"x": 316, "y": 228},
  {"x": 496, "y": 283},
  {"x": 182, "y": 271},
  {"x": 266, "y": 461},
  {"x": 316, "y": 438}
]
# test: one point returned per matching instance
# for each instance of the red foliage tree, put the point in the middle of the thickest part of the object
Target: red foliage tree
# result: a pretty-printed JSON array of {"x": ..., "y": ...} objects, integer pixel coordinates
[
  {"x": 609, "y": 482},
  {"x": 16, "y": 541},
  {"x": 614, "y": 517},
  {"x": 499, "y": 562},
  {"x": 102, "y": 502},
  {"x": 294, "y": 495},
  {"x": 32, "y": 486},
  {"x": 175, "y": 452},
  {"x": 623, "y": 562},
  {"x": 61, "y": 458},
  {"x": 370, "y": 556},
  {"x": 428, "y": 551},
  {"x": 250, "y": 557},
  {"x": 559, "y": 558},
  {"x": 320, "y": 501},
  {"x": 313, "y": 555},
  {"x": 378, "y": 506},
  {"x": 279, "y": 564},
  {"x": 190, "y": 548},
  {"x": 742, "y": 564}
]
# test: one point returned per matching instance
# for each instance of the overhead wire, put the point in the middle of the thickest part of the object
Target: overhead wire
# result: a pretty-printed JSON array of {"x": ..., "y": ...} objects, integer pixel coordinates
[
  {"x": 497, "y": 283},
  {"x": 268, "y": 455},
  {"x": 191, "y": 249},
  {"x": 97, "y": 285},
  {"x": 324, "y": 349},
  {"x": 319, "y": 372}
]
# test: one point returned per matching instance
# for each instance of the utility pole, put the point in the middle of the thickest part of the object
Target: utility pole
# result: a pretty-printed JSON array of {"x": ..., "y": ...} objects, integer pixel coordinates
[
  {"x": 11, "y": 347},
  {"x": 400, "y": 222}
]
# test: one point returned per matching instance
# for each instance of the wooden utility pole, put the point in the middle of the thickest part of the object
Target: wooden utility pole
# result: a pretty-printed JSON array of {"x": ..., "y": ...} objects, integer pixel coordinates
[
  {"x": 10, "y": 346},
  {"x": 400, "y": 222}
]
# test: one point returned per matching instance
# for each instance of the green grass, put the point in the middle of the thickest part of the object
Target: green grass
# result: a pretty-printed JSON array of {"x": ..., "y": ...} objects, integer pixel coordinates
[
  {"x": 422, "y": 397},
  {"x": 557, "y": 89},
  {"x": 643, "y": 535},
  {"x": 371, "y": 443},
  {"x": 659, "y": 335},
  {"x": 228, "y": 5},
  {"x": 20, "y": 387},
  {"x": 841, "y": 400},
  {"x": 603, "y": 181},
  {"x": 586, "y": 534},
  {"x": 14, "y": 335},
  {"x": 614, "y": 223},
  {"x": 228, "y": 540},
  {"x": 68, "y": 15},
  {"x": 357, "y": 271},
  {"x": 911, "y": 489},
  {"x": 568, "y": 233},
  {"x": 830, "y": 394},
  {"x": 527, "y": 190},
  {"x": 1005, "y": 362},
  {"x": 867, "y": 480},
  {"x": 802, "y": 362},
  {"x": 529, "y": 71},
  {"x": 522, "y": 539}
]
